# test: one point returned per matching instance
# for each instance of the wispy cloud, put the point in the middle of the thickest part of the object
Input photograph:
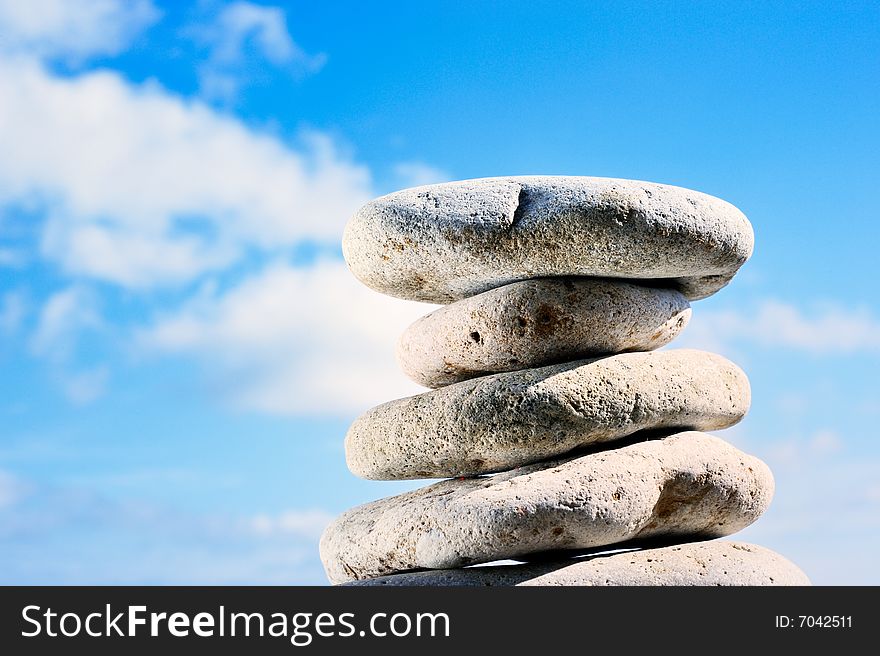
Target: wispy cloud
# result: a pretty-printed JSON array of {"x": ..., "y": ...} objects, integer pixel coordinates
[
  {"x": 63, "y": 317},
  {"x": 292, "y": 340},
  {"x": 83, "y": 386},
  {"x": 415, "y": 174},
  {"x": 242, "y": 40},
  {"x": 12, "y": 490},
  {"x": 115, "y": 540},
  {"x": 72, "y": 29},
  {"x": 794, "y": 451},
  {"x": 63, "y": 320},
  {"x": 821, "y": 329},
  {"x": 13, "y": 308},
  {"x": 309, "y": 523},
  {"x": 825, "y": 498},
  {"x": 11, "y": 258}
]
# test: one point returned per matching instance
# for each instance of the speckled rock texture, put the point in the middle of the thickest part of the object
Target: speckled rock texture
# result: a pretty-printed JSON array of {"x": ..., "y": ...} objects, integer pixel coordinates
[
  {"x": 698, "y": 563},
  {"x": 506, "y": 420},
  {"x": 538, "y": 322},
  {"x": 444, "y": 242},
  {"x": 688, "y": 485}
]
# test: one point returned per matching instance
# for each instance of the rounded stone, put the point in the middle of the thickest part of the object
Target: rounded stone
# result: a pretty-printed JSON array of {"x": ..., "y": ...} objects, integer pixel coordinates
[
  {"x": 680, "y": 487},
  {"x": 697, "y": 563},
  {"x": 538, "y": 322},
  {"x": 440, "y": 243},
  {"x": 498, "y": 422}
]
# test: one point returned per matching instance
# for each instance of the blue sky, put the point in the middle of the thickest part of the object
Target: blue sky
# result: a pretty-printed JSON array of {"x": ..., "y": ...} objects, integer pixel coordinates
[{"x": 182, "y": 348}]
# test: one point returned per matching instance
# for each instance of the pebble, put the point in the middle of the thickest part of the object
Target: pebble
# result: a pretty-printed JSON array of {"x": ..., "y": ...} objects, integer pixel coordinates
[
  {"x": 506, "y": 420},
  {"x": 715, "y": 562},
  {"x": 538, "y": 322},
  {"x": 441, "y": 243},
  {"x": 686, "y": 486}
]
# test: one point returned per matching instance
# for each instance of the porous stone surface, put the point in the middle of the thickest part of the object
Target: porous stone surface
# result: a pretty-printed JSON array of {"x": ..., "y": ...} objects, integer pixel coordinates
[
  {"x": 538, "y": 322},
  {"x": 502, "y": 421},
  {"x": 440, "y": 243},
  {"x": 698, "y": 563},
  {"x": 688, "y": 485}
]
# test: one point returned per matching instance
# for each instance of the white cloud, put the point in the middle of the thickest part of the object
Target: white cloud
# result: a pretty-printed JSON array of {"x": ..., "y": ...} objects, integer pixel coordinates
[
  {"x": 115, "y": 540},
  {"x": 792, "y": 405},
  {"x": 72, "y": 29},
  {"x": 143, "y": 188},
  {"x": 295, "y": 340},
  {"x": 825, "y": 515},
  {"x": 795, "y": 451},
  {"x": 63, "y": 316},
  {"x": 306, "y": 523},
  {"x": 870, "y": 407},
  {"x": 241, "y": 40},
  {"x": 13, "y": 307},
  {"x": 415, "y": 174},
  {"x": 84, "y": 386},
  {"x": 824, "y": 518},
  {"x": 825, "y": 442},
  {"x": 826, "y": 330},
  {"x": 129, "y": 257},
  {"x": 12, "y": 490},
  {"x": 11, "y": 258},
  {"x": 265, "y": 28}
]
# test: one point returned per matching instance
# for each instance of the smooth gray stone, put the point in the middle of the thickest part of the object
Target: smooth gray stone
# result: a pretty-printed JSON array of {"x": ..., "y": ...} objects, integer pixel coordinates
[
  {"x": 538, "y": 322},
  {"x": 440, "y": 243},
  {"x": 698, "y": 563},
  {"x": 507, "y": 420},
  {"x": 689, "y": 484}
]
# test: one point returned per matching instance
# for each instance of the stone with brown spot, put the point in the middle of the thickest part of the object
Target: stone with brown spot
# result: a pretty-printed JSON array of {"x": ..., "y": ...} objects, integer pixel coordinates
[
  {"x": 685, "y": 485},
  {"x": 538, "y": 322}
]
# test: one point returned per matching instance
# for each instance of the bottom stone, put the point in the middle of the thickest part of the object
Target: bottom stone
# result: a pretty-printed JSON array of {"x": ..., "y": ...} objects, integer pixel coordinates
[{"x": 698, "y": 563}]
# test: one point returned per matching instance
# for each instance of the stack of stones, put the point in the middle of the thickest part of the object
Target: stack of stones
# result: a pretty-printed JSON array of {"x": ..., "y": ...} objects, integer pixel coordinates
[{"x": 570, "y": 445}]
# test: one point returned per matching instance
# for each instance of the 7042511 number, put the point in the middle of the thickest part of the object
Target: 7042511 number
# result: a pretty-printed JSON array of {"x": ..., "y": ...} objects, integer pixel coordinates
[{"x": 825, "y": 621}]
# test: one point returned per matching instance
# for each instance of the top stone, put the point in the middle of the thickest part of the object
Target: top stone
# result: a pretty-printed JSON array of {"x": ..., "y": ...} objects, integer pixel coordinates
[{"x": 441, "y": 243}]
